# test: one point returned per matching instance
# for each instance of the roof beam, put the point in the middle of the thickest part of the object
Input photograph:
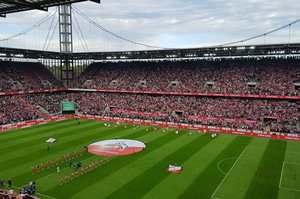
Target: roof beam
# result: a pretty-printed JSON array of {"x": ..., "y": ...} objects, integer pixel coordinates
[
  {"x": 96, "y": 1},
  {"x": 25, "y": 4}
]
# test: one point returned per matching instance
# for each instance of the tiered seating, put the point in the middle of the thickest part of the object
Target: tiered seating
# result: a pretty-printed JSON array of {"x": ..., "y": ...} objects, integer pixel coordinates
[
  {"x": 286, "y": 112},
  {"x": 18, "y": 76},
  {"x": 273, "y": 77},
  {"x": 13, "y": 110}
]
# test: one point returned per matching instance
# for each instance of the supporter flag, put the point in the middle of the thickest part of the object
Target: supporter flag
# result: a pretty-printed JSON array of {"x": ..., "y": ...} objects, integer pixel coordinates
[
  {"x": 50, "y": 140},
  {"x": 174, "y": 169}
]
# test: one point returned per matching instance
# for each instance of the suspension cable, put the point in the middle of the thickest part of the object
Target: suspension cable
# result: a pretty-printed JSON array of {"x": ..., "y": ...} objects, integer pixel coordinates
[{"x": 111, "y": 33}]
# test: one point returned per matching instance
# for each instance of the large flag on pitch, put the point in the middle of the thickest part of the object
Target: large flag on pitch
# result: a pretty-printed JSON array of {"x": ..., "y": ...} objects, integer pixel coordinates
[
  {"x": 50, "y": 140},
  {"x": 174, "y": 169}
]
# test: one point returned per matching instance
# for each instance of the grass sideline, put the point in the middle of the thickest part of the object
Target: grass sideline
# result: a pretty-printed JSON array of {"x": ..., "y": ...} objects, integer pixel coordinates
[{"x": 229, "y": 166}]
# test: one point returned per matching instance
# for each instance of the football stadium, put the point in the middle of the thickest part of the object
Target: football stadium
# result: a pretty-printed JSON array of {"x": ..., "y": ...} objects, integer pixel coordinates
[{"x": 133, "y": 120}]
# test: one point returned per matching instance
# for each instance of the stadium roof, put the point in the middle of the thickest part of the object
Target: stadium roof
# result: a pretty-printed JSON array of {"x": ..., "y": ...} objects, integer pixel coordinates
[
  {"x": 12, "y": 6},
  {"x": 186, "y": 53}
]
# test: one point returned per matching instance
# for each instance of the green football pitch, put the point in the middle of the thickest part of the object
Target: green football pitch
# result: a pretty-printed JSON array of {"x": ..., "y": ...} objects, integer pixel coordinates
[{"x": 226, "y": 167}]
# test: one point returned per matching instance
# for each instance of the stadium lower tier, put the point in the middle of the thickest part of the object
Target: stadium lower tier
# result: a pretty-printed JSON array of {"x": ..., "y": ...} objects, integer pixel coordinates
[{"x": 256, "y": 114}]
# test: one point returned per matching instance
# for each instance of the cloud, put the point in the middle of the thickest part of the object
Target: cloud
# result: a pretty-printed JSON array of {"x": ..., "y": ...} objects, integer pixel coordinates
[{"x": 168, "y": 23}]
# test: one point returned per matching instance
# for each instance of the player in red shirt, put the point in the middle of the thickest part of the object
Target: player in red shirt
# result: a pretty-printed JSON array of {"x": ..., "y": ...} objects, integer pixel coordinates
[
  {"x": 60, "y": 181},
  {"x": 57, "y": 161},
  {"x": 85, "y": 168},
  {"x": 48, "y": 165},
  {"x": 81, "y": 170},
  {"x": 100, "y": 162},
  {"x": 104, "y": 160},
  {"x": 33, "y": 170},
  {"x": 66, "y": 157},
  {"x": 62, "y": 159},
  {"x": 76, "y": 173},
  {"x": 43, "y": 167},
  {"x": 66, "y": 179},
  {"x": 37, "y": 168},
  {"x": 70, "y": 156},
  {"x": 53, "y": 163},
  {"x": 107, "y": 157},
  {"x": 96, "y": 164},
  {"x": 81, "y": 152},
  {"x": 76, "y": 154},
  {"x": 72, "y": 176},
  {"x": 92, "y": 165}
]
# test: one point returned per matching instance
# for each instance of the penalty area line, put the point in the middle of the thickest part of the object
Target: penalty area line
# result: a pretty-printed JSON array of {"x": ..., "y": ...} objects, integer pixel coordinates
[
  {"x": 221, "y": 162},
  {"x": 228, "y": 173}
]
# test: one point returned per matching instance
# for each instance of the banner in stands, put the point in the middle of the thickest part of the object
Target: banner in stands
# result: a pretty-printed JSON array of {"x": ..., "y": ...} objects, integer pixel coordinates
[
  {"x": 116, "y": 147},
  {"x": 141, "y": 113},
  {"x": 33, "y": 91},
  {"x": 223, "y": 119},
  {"x": 151, "y": 92}
]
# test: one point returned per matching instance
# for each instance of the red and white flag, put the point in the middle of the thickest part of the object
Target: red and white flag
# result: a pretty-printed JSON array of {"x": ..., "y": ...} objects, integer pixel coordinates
[{"x": 174, "y": 169}]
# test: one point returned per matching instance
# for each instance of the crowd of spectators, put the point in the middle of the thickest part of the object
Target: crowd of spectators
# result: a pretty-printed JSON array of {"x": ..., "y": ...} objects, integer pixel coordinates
[
  {"x": 271, "y": 76},
  {"x": 20, "y": 76},
  {"x": 285, "y": 112},
  {"x": 51, "y": 102},
  {"x": 13, "y": 110}
]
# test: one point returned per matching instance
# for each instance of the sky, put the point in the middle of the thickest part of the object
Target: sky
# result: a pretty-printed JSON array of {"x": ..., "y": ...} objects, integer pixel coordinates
[{"x": 158, "y": 23}]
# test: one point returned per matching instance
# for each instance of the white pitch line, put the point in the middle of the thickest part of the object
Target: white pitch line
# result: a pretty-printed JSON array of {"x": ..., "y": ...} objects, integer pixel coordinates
[
  {"x": 44, "y": 195},
  {"x": 61, "y": 170},
  {"x": 273, "y": 149},
  {"x": 222, "y": 161},
  {"x": 228, "y": 173},
  {"x": 282, "y": 168},
  {"x": 297, "y": 190},
  {"x": 292, "y": 163},
  {"x": 290, "y": 189}
]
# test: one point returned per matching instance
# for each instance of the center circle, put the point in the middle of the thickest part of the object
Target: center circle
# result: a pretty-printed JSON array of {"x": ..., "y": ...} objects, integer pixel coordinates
[{"x": 116, "y": 147}]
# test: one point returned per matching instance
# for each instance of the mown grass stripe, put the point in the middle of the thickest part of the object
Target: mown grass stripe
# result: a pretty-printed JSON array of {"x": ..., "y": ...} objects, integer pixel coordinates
[
  {"x": 42, "y": 135},
  {"x": 265, "y": 183},
  {"x": 38, "y": 146},
  {"x": 153, "y": 175},
  {"x": 207, "y": 182},
  {"x": 105, "y": 134},
  {"x": 86, "y": 181},
  {"x": 9, "y": 137},
  {"x": 174, "y": 185},
  {"x": 87, "y": 136}
]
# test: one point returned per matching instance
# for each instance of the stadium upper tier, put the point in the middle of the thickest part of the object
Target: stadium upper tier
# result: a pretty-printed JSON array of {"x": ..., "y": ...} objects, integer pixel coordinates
[
  {"x": 258, "y": 77},
  {"x": 18, "y": 76}
]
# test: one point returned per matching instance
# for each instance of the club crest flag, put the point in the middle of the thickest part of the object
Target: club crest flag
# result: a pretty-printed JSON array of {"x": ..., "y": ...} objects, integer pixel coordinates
[{"x": 174, "y": 169}]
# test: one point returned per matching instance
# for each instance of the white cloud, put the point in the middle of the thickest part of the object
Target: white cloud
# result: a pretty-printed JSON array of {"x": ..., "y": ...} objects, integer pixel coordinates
[{"x": 168, "y": 23}]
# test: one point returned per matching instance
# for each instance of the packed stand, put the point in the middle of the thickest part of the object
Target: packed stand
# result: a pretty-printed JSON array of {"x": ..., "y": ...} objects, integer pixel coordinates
[
  {"x": 12, "y": 110},
  {"x": 272, "y": 76},
  {"x": 287, "y": 112},
  {"x": 51, "y": 102},
  {"x": 20, "y": 76}
]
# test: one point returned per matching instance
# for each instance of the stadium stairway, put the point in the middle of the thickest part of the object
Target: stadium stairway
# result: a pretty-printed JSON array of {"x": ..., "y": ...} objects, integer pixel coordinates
[{"x": 31, "y": 106}]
